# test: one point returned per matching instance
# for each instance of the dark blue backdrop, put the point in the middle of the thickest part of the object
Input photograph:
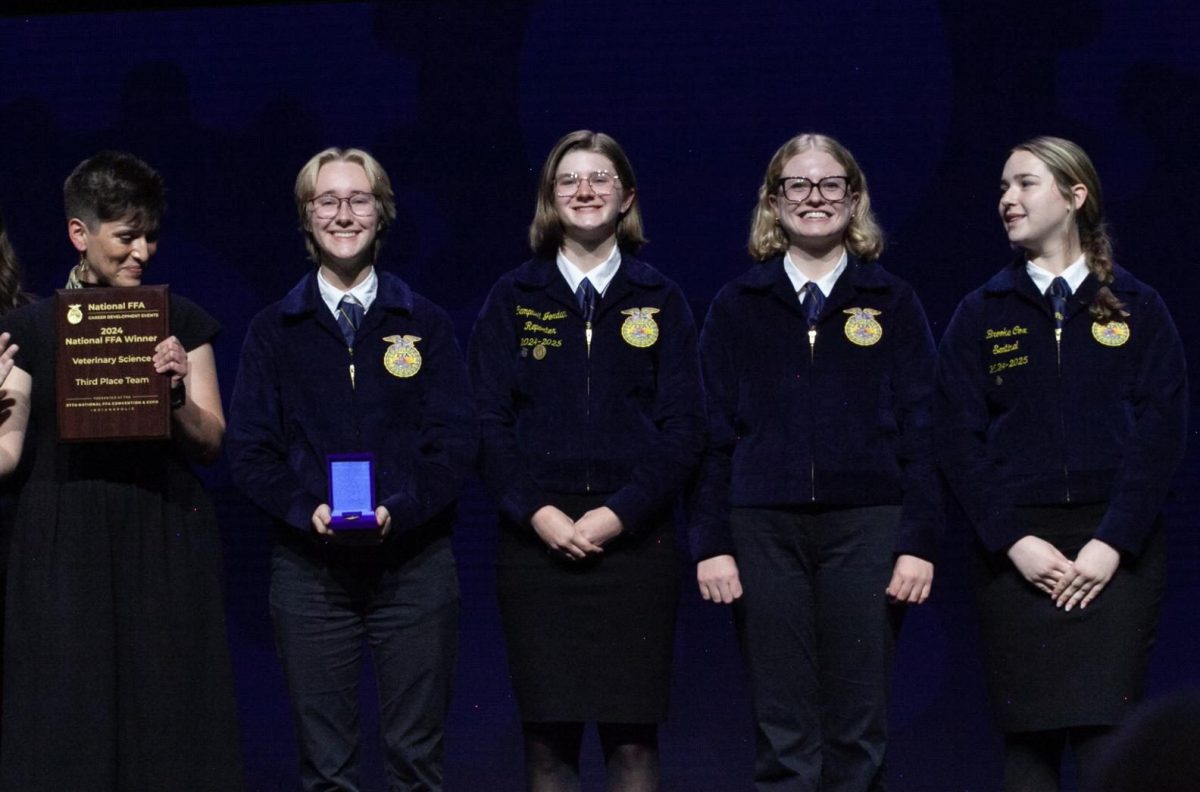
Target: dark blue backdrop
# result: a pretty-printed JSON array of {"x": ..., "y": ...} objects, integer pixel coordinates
[{"x": 461, "y": 100}]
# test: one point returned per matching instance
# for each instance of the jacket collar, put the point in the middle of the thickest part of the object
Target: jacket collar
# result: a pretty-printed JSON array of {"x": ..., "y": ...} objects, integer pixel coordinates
[
  {"x": 538, "y": 273},
  {"x": 1013, "y": 279},
  {"x": 305, "y": 297},
  {"x": 770, "y": 277},
  {"x": 541, "y": 274}
]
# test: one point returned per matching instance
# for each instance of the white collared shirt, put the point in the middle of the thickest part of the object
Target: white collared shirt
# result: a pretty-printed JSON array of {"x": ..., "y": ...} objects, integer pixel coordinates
[
  {"x": 825, "y": 283},
  {"x": 364, "y": 292},
  {"x": 600, "y": 276},
  {"x": 1074, "y": 275}
]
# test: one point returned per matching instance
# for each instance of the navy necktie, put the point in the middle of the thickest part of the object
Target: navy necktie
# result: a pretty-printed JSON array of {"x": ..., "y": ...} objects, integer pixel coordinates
[
  {"x": 586, "y": 295},
  {"x": 1058, "y": 293},
  {"x": 812, "y": 300},
  {"x": 349, "y": 316}
]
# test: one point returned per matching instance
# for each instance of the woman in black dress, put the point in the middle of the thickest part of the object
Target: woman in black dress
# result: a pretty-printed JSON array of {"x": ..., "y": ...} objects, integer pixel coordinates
[
  {"x": 1062, "y": 398},
  {"x": 116, "y": 669},
  {"x": 591, "y": 415}
]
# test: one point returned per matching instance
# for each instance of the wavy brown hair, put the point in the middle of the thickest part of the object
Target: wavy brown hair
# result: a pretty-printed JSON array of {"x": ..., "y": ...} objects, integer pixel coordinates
[
  {"x": 1070, "y": 165},
  {"x": 864, "y": 237},
  {"x": 11, "y": 295}
]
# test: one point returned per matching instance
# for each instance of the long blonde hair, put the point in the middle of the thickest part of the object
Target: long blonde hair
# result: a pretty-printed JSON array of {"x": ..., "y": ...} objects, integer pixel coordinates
[{"x": 864, "y": 237}]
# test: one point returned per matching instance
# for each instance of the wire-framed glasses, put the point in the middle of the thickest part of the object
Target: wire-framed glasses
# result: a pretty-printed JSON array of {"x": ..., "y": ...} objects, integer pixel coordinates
[
  {"x": 327, "y": 205},
  {"x": 602, "y": 183}
]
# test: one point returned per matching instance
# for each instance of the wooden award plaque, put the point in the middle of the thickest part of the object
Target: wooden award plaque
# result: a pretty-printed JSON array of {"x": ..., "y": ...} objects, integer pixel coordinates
[{"x": 106, "y": 385}]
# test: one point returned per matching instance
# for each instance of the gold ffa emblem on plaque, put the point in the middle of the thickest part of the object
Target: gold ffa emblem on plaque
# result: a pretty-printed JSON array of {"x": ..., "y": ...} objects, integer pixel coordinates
[
  {"x": 1111, "y": 334},
  {"x": 539, "y": 352},
  {"x": 640, "y": 329},
  {"x": 402, "y": 359},
  {"x": 75, "y": 314},
  {"x": 862, "y": 328}
]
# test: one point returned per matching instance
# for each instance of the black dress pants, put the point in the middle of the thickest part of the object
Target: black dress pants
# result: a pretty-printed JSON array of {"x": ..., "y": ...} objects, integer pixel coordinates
[
  {"x": 404, "y": 607},
  {"x": 815, "y": 630}
]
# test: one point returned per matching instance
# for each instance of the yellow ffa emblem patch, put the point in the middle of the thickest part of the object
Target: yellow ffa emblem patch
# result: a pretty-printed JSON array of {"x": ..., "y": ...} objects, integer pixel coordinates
[
  {"x": 640, "y": 329},
  {"x": 539, "y": 352},
  {"x": 402, "y": 359},
  {"x": 1112, "y": 334},
  {"x": 74, "y": 314},
  {"x": 861, "y": 327}
]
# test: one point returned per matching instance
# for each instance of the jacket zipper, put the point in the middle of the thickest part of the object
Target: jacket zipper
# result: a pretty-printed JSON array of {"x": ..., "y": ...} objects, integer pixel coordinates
[
  {"x": 587, "y": 335},
  {"x": 350, "y": 350},
  {"x": 1062, "y": 421},
  {"x": 812, "y": 457}
]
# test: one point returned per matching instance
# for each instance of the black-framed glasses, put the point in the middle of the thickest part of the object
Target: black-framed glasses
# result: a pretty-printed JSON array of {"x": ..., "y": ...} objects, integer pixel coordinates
[
  {"x": 602, "y": 183},
  {"x": 327, "y": 205},
  {"x": 798, "y": 188}
]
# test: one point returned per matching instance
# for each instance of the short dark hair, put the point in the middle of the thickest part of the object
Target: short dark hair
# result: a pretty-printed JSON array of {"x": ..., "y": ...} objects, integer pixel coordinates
[{"x": 115, "y": 185}]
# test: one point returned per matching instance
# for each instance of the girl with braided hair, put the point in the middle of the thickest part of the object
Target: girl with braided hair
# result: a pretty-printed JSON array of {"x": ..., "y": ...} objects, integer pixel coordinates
[{"x": 1061, "y": 405}]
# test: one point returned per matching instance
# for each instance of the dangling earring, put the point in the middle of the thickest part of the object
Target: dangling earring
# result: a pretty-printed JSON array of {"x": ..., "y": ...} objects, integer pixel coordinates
[{"x": 75, "y": 277}]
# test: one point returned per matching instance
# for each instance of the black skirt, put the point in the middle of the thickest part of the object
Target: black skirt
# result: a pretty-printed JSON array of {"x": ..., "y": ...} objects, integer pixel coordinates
[
  {"x": 1049, "y": 669},
  {"x": 589, "y": 640}
]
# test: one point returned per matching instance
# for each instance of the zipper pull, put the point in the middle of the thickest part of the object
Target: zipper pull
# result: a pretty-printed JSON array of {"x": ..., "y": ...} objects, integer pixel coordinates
[
  {"x": 587, "y": 334},
  {"x": 351, "y": 376},
  {"x": 1058, "y": 345},
  {"x": 812, "y": 342}
]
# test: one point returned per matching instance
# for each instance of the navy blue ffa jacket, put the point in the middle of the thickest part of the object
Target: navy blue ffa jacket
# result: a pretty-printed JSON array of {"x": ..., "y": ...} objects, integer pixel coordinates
[
  {"x": 1025, "y": 420},
  {"x": 621, "y": 416},
  {"x": 400, "y": 393},
  {"x": 842, "y": 421}
]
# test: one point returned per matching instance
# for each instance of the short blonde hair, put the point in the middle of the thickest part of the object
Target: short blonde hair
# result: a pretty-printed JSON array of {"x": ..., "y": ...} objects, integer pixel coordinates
[
  {"x": 381, "y": 187},
  {"x": 864, "y": 238},
  {"x": 545, "y": 232}
]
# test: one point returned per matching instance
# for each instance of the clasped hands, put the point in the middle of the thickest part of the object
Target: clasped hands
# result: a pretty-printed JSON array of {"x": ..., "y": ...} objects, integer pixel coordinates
[
  {"x": 1069, "y": 583},
  {"x": 576, "y": 539}
]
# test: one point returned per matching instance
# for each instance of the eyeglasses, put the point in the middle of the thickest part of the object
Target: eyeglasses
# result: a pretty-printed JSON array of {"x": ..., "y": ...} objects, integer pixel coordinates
[
  {"x": 327, "y": 205},
  {"x": 798, "y": 188},
  {"x": 602, "y": 183}
]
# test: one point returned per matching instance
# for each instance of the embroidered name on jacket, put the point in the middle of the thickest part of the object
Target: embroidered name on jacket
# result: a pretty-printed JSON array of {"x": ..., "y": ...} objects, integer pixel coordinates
[
  {"x": 537, "y": 335},
  {"x": 1006, "y": 348},
  {"x": 1006, "y": 332}
]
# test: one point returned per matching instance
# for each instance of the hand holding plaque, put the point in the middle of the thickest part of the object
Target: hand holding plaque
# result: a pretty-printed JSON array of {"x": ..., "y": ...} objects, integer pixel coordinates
[{"x": 108, "y": 387}]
